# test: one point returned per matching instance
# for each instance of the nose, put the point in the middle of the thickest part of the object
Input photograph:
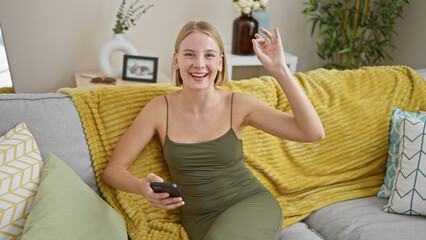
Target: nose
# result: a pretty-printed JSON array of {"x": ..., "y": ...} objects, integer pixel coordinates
[{"x": 199, "y": 62}]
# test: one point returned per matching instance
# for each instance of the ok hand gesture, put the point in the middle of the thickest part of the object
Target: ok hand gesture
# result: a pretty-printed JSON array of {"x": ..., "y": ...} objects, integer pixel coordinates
[{"x": 272, "y": 53}]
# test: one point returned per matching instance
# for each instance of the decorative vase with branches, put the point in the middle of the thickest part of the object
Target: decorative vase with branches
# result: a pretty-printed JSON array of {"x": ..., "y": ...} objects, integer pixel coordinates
[
  {"x": 352, "y": 33},
  {"x": 126, "y": 17}
]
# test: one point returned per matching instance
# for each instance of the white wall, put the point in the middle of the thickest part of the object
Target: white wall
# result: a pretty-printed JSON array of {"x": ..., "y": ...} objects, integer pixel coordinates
[{"x": 48, "y": 40}]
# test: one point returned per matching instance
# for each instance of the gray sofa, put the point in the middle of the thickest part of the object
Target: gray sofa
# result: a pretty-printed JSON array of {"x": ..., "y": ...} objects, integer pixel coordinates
[
  {"x": 56, "y": 126},
  {"x": 55, "y": 123}
]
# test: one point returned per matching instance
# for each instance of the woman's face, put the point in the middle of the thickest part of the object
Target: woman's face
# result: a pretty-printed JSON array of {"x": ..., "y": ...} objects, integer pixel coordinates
[{"x": 199, "y": 59}]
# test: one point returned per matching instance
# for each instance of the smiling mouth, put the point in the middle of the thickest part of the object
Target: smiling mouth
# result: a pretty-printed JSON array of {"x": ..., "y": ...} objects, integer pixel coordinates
[{"x": 199, "y": 75}]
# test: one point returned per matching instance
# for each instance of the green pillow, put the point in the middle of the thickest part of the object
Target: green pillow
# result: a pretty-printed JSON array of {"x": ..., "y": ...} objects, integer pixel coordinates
[{"x": 66, "y": 208}]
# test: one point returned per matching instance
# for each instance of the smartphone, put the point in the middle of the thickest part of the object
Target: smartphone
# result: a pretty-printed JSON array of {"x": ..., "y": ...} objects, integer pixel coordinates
[{"x": 170, "y": 188}]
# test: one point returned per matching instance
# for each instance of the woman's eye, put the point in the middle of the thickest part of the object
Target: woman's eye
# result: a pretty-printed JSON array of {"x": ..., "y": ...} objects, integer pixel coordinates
[
  {"x": 189, "y": 55},
  {"x": 210, "y": 55}
]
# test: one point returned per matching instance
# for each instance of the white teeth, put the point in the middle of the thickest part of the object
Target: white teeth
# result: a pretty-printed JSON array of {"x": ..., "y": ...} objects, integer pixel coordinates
[{"x": 198, "y": 75}]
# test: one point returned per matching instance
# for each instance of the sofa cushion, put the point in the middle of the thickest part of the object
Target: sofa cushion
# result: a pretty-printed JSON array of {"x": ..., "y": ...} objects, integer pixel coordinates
[
  {"x": 299, "y": 231},
  {"x": 422, "y": 72},
  {"x": 393, "y": 149},
  {"x": 409, "y": 191},
  {"x": 20, "y": 168},
  {"x": 364, "y": 219},
  {"x": 54, "y": 121},
  {"x": 66, "y": 208}
]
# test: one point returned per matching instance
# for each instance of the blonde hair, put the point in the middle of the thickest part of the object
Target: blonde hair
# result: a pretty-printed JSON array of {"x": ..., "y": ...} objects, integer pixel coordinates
[{"x": 207, "y": 28}]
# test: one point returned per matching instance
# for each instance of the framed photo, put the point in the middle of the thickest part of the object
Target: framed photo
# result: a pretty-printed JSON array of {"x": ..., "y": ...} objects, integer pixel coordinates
[{"x": 140, "y": 68}]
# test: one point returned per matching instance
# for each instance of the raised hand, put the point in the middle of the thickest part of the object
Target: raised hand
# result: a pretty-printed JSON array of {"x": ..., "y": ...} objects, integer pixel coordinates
[{"x": 272, "y": 53}]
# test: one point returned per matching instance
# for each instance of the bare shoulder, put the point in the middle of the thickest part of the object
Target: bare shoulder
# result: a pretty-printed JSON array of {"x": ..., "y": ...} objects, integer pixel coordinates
[
  {"x": 246, "y": 101},
  {"x": 244, "y": 105},
  {"x": 156, "y": 104},
  {"x": 157, "y": 101},
  {"x": 243, "y": 96},
  {"x": 154, "y": 111},
  {"x": 251, "y": 110}
]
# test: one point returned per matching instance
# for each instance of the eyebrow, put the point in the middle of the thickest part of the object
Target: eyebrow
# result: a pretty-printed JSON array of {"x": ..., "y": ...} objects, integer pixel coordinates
[{"x": 208, "y": 50}]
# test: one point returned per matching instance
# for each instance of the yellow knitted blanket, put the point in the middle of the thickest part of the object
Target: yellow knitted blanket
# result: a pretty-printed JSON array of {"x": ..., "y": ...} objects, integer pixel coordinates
[
  {"x": 350, "y": 162},
  {"x": 6, "y": 90}
]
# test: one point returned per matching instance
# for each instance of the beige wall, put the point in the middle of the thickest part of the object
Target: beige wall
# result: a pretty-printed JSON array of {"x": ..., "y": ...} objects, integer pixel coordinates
[
  {"x": 48, "y": 40},
  {"x": 411, "y": 39}
]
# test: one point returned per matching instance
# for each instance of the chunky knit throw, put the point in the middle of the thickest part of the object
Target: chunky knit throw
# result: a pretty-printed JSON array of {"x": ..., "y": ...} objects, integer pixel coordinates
[{"x": 350, "y": 162}]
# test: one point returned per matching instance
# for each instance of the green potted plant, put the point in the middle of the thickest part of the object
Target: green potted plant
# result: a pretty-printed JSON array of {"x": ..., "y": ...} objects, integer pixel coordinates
[
  {"x": 352, "y": 33},
  {"x": 127, "y": 17}
]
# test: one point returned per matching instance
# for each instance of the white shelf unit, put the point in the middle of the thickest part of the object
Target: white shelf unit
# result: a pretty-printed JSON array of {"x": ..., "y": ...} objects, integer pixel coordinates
[{"x": 251, "y": 60}]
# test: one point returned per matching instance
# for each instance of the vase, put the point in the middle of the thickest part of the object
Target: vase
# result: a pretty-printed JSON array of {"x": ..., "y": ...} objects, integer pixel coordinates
[
  {"x": 262, "y": 18},
  {"x": 243, "y": 30},
  {"x": 117, "y": 43}
]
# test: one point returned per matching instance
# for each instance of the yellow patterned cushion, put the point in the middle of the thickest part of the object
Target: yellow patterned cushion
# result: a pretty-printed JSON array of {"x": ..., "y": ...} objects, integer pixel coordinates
[
  {"x": 350, "y": 162},
  {"x": 20, "y": 168}
]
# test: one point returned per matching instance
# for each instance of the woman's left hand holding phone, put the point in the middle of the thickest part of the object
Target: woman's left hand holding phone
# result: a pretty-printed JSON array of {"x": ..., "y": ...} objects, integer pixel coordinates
[{"x": 159, "y": 200}]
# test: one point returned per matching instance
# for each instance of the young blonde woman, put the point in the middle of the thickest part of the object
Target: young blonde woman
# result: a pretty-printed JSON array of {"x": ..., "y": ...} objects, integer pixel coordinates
[{"x": 200, "y": 128}]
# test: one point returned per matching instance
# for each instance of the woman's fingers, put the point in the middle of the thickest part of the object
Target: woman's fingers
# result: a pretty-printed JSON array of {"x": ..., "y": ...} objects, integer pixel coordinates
[
  {"x": 256, "y": 47},
  {"x": 277, "y": 35},
  {"x": 154, "y": 178},
  {"x": 269, "y": 50},
  {"x": 260, "y": 40},
  {"x": 162, "y": 200},
  {"x": 273, "y": 38},
  {"x": 170, "y": 203},
  {"x": 170, "y": 206},
  {"x": 268, "y": 34}
]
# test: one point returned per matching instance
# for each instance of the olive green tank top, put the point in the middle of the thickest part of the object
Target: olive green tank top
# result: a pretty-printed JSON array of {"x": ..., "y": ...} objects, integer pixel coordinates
[{"x": 211, "y": 175}]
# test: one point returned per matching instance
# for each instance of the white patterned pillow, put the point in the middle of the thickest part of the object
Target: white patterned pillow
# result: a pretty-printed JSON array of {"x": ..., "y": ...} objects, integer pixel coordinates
[
  {"x": 20, "y": 169},
  {"x": 409, "y": 192},
  {"x": 393, "y": 149}
]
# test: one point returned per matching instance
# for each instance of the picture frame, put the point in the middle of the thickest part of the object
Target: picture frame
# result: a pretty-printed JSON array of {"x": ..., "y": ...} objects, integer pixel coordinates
[{"x": 140, "y": 68}]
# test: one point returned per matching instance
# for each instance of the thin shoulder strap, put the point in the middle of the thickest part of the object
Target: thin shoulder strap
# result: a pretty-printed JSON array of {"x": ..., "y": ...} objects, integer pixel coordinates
[
  {"x": 167, "y": 118},
  {"x": 232, "y": 101}
]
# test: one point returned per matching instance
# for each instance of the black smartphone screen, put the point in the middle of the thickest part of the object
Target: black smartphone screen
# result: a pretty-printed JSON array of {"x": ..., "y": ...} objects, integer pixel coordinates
[{"x": 170, "y": 188}]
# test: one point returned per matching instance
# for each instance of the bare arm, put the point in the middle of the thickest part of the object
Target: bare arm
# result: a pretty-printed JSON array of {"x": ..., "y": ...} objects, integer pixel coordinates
[
  {"x": 133, "y": 141},
  {"x": 304, "y": 125}
]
